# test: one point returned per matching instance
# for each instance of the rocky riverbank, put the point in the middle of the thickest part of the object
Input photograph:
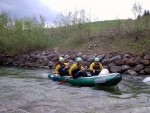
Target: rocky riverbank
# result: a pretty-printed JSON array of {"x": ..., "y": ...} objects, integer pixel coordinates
[{"x": 126, "y": 63}]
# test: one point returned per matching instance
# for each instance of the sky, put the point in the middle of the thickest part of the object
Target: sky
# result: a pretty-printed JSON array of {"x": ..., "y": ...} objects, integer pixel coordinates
[{"x": 98, "y": 9}]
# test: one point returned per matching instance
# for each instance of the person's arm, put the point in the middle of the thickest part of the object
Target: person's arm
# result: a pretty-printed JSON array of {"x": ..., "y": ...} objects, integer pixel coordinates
[
  {"x": 56, "y": 69},
  {"x": 91, "y": 66},
  {"x": 101, "y": 67},
  {"x": 66, "y": 65},
  {"x": 73, "y": 67},
  {"x": 82, "y": 67}
]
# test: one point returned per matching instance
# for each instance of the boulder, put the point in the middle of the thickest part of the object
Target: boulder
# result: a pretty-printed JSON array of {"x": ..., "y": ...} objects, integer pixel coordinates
[
  {"x": 127, "y": 55},
  {"x": 131, "y": 62},
  {"x": 50, "y": 56},
  {"x": 139, "y": 67},
  {"x": 147, "y": 57},
  {"x": 73, "y": 56},
  {"x": 101, "y": 57},
  {"x": 79, "y": 54},
  {"x": 115, "y": 69},
  {"x": 125, "y": 68},
  {"x": 131, "y": 72},
  {"x": 105, "y": 61},
  {"x": 115, "y": 58},
  {"x": 145, "y": 62},
  {"x": 66, "y": 57},
  {"x": 147, "y": 69},
  {"x": 90, "y": 58},
  {"x": 51, "y": 64},
  {"x": 84, "y": 57},
  {"x": 120, "y": 62}
]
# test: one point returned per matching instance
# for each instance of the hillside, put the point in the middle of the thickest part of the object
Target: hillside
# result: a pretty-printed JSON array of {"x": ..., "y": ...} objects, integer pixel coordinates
[
  {"x": 121, "y": 36},
  {"x": 110, "y": 36}
]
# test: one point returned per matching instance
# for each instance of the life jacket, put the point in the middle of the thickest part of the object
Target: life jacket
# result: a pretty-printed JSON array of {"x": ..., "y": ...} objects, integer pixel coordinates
[
  {"x": 77, "y": 70},
  {"x": 62, "y": 66},
  {"x": 63, "y": 70}
]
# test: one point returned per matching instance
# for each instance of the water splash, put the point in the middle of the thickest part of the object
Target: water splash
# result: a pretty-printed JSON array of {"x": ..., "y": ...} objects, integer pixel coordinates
[{"x": 147, "y": 80}]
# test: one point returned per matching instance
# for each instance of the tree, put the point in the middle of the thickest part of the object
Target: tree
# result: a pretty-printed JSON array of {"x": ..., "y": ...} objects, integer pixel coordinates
[
  {"x": 73, "y": 22},
  {"x": 146, "y": 16},
  {"x": 3, "y": 22},
  {"x": 137, "y": 10}
]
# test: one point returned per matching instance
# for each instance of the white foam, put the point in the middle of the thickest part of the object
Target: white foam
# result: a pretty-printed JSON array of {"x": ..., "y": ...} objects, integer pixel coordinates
[
  {"x": 44, "y": 75},
  {"x": 147, "y": 79}
]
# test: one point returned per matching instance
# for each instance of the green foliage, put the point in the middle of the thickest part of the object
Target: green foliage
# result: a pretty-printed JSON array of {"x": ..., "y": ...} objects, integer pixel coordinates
[
  {"x": 74, "y": 31},
  {"x": 25, "y": 35}
]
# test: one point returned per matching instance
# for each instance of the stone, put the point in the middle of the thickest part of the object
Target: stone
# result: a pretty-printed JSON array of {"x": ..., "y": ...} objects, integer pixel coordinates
[
  {"x": 115, "y": 69},
  {"x": 131, "y": 72},
  {"x": 120, "y": 62},
  {"x": 145, "y": 62},
  {"x": 101, "y": 57},
  {"x": 147, "y": 57},
  {"x": 147, "y": 69},
  {"x": 138, "y": 67},
  {"x": 115, "y": 58},
  {"x": 125, "y": 68}
]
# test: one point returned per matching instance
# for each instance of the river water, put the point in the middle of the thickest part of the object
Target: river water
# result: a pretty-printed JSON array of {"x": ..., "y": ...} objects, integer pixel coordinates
[{"x": 24, "y": 90}]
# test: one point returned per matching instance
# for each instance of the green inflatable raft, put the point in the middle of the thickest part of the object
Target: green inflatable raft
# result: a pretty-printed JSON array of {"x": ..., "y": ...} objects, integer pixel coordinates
[{"x": 110, "y": 79}]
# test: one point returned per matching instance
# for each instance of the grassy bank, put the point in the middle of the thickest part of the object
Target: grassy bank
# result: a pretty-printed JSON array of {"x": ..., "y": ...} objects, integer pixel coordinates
[{"x": 29, "y": 34}]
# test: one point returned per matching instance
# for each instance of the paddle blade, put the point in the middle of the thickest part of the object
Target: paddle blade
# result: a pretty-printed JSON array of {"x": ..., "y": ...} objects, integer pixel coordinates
[{"x": 64, "y": 81}]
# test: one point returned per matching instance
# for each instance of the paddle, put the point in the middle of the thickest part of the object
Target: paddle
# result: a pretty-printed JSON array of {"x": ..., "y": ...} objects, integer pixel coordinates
[{"x": 64, "y": 81}]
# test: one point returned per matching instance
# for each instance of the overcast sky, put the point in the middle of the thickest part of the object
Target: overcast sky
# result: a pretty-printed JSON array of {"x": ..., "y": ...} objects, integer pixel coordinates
[{"x": 100, "y": 9}]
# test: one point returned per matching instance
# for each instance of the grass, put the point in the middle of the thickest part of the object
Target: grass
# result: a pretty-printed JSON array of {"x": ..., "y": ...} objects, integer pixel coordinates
[{"x": 95, "y": 37}]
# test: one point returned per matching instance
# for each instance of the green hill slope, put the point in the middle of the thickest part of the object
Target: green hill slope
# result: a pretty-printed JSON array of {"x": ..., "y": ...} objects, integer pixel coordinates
[{"x": 121, "y": 36}]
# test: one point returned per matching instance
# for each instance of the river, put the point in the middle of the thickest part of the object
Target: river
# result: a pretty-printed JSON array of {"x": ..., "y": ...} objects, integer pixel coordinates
[{"x": 24, "y": 90}]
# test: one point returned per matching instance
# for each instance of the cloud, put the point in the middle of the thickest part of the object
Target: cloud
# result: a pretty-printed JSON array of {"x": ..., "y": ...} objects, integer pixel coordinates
[
  {"x": 27, "y": 8},
  {"x": 101, "y": 9}
]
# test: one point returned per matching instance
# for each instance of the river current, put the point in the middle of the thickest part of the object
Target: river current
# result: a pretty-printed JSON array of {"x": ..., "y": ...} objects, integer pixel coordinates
[{"x": 24, "y": 90}]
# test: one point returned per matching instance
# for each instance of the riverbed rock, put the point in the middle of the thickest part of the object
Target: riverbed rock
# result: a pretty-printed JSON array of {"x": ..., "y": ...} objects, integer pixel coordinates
[
  {"x": 138, "y": 67},
  {"x": 101, "y": 57},
  {"x": 127, "y": 55},
  {"x": 84, "y": 57},
  {"x": 105, "y": 61},
  {"x": 131, "y": 62},
  {"x": 73, "y": 56},
  {"x": 125, "y": 68},
  {"x": 147, "y": 57},
  {"x": 115, "y": 58},
  {"x": 50, "y": 56},
  {"x": 145, "y": 62},
  {"x": 131, "y": 72},
  {"x": 51, "y": 64},
  {"x": 79, "y": 54},
  {"x": 147, "y": 69},
  {"x": 120, "y": 62},
  {"x": 115, "y": 69},
  {"x": 90, "y": 58},
  {"x": 66, "y": 57},
  {"x": 47, "y": 59}
]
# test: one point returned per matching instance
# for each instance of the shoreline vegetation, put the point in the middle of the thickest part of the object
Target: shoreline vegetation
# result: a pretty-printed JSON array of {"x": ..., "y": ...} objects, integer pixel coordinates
[
  {"x": 76, "y": 32},
  {"x": 128, "y": 41}
]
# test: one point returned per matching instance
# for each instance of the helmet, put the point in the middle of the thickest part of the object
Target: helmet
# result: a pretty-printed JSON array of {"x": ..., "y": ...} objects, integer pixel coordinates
[
  {"x": 78, "y": 59},
  {"x": 61, "y": 59},
  {"x": 96, "y": 59}
]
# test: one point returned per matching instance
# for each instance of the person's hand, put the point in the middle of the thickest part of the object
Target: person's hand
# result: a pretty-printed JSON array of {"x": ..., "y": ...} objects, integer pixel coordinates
[
  {"x": 93, "y": 71},
  {"x": 86, "y": 67}
]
